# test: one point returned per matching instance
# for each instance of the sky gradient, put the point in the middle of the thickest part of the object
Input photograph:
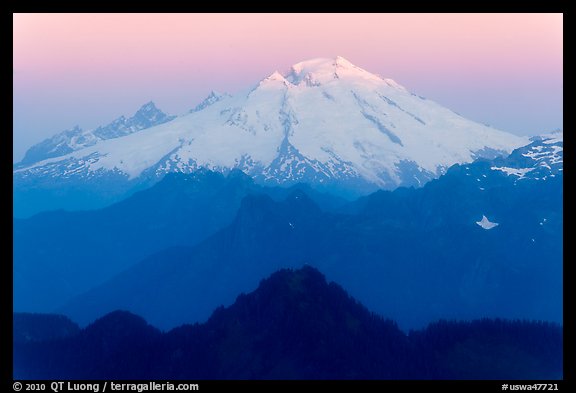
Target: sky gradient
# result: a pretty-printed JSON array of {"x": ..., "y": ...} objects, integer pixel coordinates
[{"x": 87, "y": 69}]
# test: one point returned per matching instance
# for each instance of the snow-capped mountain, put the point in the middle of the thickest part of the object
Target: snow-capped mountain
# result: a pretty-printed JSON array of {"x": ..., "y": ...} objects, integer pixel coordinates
[
  {"x": 76, "y": 139},
  {"x": 325, "y": 121}
]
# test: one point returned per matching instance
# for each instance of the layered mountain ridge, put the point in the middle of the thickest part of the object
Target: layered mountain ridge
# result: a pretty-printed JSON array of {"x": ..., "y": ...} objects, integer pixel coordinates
[
  {"x": 454, "y": 247},
  {"x": 181, "y": 209}
]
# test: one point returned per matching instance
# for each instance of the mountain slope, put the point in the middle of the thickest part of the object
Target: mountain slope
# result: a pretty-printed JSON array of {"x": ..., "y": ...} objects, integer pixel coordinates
[
  {"x": 86, "y": 248},
  {"x": 415, "y": 255},
  {"x": 295, "y": 325},
  {"x": 189, "y": 282},
  {"x": 325, "y": 122}
]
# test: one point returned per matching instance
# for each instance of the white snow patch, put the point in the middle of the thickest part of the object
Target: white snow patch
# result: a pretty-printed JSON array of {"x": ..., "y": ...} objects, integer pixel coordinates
[
  {"x": 555, "y": 139},
  {"x": 520, "y": 172},
  {"x": 486, "y": 223},
  {"x": 543, "y": 221}
]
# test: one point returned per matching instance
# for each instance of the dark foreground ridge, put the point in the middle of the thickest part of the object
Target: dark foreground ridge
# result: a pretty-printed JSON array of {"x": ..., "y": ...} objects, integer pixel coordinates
[{"x": 294, "y": 326}]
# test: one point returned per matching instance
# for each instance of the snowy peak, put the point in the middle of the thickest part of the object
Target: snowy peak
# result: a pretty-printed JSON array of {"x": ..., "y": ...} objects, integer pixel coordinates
[
  {"x": 274, "y": 79},
  {"x": 147, "y": 116},
  {"x": 212, "y": 98},
  {"x": 339, "y": 61},
  {"x": 324, "y": 65},
  {"x": 75, "y": 139},
  {"x": 276, "y": 76},
  {"x": 323, "y": 70}
]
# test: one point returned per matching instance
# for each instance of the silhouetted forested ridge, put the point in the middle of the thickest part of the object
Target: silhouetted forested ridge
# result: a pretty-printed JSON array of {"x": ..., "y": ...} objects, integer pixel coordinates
[{"x": 294, "y": 326}]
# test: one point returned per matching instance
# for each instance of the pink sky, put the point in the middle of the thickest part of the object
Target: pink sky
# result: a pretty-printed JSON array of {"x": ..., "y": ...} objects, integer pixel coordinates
[{"x": 87, "y": 69}]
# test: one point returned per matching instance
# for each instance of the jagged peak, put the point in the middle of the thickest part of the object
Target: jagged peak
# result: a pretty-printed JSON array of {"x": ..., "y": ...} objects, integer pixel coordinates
[
  {"x": 212, "y": 98},
  {"x": 148, "y": 105},
  {"x": 214, "y": 94}
]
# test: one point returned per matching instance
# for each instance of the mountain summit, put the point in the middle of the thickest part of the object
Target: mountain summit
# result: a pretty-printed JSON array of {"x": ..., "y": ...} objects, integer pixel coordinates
[
  {"x": 76, "y": 139},
  {"x": 324, "y": 121},
  {"x": 324, "y": 70}
]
